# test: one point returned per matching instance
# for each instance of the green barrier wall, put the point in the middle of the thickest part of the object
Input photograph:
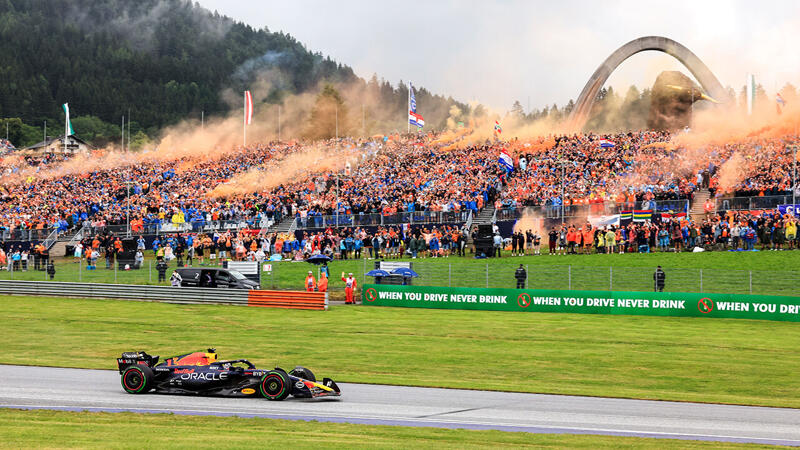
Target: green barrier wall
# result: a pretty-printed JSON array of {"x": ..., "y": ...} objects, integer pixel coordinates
[{"x": 731, "y": 306}]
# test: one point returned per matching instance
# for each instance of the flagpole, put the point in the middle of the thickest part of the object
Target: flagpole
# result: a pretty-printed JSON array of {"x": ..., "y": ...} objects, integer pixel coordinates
[
  {"x": 66, "y": 126},
  {"x": 408, "y": 107},
  {"x": 244, "y": 121}
]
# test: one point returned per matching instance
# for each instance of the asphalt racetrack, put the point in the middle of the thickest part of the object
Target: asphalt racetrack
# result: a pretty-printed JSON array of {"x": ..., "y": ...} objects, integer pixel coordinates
[{"x": 99, "y": 390}]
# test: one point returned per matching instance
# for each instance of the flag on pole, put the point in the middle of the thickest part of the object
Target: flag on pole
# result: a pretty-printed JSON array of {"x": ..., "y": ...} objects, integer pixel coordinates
[
  {"x": 497, "y": 128},
  {"x": 506, "y": 161},
  {"x": 412, "y": 101},
  {"x": 415, "y": 119},
  {"x": 67, "y": 125},
  {"x": 248, "y": 108},
  {"x": 779, "y": 99}
]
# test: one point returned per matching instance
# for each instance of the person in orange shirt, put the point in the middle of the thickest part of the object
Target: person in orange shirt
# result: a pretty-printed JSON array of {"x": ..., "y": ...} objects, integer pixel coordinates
[
  {"x": 572, "y": 238},
  {"x": 350, "y": 284},
  {"x": 588, "y": 238},
  {"x": 311, "y": 283},
  {"x": 322, "y": 286}
]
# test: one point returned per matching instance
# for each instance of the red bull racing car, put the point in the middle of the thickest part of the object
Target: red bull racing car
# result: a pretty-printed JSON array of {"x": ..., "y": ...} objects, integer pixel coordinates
[{"x": 202, "y": 374}]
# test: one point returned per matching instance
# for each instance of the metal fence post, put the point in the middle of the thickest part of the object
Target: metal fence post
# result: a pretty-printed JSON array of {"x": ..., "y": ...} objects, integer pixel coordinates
[
  {"x": 487, "y": 275},
  {"x": 569, "y": 277},
  {"x": 701, "y": 280},
  {"x": 611, "y": 278},
  {"x": 751, "y": 281}
]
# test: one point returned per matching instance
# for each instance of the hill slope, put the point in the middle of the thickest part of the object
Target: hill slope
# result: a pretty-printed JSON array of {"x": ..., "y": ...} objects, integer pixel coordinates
[{"x": 163, "y": 59}]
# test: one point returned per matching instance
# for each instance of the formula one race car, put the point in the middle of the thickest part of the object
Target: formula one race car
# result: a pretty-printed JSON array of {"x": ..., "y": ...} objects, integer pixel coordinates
[{"x": 201, "y": 373}]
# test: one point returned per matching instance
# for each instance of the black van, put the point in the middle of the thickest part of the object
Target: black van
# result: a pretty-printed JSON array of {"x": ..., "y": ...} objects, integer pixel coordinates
[{"x": 210, "y": 277}]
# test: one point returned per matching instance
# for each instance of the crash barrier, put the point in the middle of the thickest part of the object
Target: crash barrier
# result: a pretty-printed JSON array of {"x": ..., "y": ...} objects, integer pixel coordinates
[
  {"x": 317, "y": 301},
  {"x": 681, "y": 304},
  {"x": 125, "y": 292}
]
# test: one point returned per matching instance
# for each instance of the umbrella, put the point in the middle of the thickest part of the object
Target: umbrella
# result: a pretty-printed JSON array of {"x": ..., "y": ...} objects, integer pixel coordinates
[
  {"x": 406, "y": 272},
  {"x": 318, "y": 259},
  {"x": 377, "y": 273}
]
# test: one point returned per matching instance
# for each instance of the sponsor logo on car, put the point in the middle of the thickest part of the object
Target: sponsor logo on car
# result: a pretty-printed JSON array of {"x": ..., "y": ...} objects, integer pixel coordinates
[
  {"x": 211, "y": 376},
  {"x": 248, "y": 391},
  {"x": 184, "y": 370}
]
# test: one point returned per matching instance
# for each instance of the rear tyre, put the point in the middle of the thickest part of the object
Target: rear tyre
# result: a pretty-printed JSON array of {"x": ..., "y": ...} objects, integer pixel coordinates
[
  {"x": 137, "y": 379},
  {"x": 304, "y": 373},
  {"x": 275, "y": 385}
]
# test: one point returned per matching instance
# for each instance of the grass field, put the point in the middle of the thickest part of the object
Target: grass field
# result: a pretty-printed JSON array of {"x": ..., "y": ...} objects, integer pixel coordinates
[
  {"x": 724, "y": 272},
  {"x": 25, "y": 429},
  {"x": 727, "y": 361}
]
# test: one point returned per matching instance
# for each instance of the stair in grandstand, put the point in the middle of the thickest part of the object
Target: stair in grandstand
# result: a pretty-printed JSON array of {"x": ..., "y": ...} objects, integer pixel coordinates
[
  {"x": 698, "y": 204},
  {"x": 59, "y": 247},
  {"x": 484, "y": 217},
  {"x": 286, "y": 225}
]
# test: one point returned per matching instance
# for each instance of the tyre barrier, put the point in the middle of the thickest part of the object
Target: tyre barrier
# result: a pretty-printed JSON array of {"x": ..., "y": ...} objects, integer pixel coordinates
[{"x": 317, "y": 301}]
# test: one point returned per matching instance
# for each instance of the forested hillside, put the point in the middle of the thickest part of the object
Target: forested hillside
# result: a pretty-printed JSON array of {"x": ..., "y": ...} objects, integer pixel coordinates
[{"x": 162, "y": 60}]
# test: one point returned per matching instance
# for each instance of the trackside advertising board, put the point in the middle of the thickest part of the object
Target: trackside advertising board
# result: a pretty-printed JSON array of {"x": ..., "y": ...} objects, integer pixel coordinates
[{"x": 727, "y": 306}]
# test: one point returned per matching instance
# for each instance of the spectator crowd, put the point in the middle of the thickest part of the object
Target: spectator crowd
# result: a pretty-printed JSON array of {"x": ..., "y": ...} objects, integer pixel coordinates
[{"x": 400, "y": 175}]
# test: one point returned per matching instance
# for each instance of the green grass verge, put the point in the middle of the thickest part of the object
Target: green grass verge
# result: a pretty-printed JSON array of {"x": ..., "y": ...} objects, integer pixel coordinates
[
  {"x": 43, "y": 429},
  {"x": 588, "y": 272},
  {"x": 669, "y": 358}
]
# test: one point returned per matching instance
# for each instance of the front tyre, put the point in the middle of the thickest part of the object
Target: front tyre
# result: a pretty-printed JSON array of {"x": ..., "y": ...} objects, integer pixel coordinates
[
  {"x": 137, "y": 379},
  {"x": 304, "y": 373},
  {"x": 275, "y": 385}
]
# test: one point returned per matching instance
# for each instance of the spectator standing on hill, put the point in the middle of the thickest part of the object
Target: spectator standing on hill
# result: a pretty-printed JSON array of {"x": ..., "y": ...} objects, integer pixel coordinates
[
  {"x": 176, "y": 279},
  {"x": 521, "y": 275},
  {"x": 659, "y": 277},
  {"x": 498, "y": 243},
  {"x": 51, "y": 269},
  {"x": 138, "y": 259},
  {"x": 553, "y": 239},
  {"x": 161, "y": 267}
]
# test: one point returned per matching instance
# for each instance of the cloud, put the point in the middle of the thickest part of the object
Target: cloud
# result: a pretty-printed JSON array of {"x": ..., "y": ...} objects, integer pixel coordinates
[{"x": 498, "y": 52}]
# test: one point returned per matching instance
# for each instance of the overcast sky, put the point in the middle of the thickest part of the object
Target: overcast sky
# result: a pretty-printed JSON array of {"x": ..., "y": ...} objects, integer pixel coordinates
[{"x": 496, "y": 52}]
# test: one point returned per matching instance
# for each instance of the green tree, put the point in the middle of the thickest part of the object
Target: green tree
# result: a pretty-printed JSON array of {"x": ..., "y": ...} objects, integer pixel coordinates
[
  {"x": 328, "y": 116},
  {"x": 20, "y": 134}
]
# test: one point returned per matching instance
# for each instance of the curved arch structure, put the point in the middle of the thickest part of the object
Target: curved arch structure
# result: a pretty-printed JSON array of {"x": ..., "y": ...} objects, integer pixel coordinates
[{"x": 580, "y": 113}]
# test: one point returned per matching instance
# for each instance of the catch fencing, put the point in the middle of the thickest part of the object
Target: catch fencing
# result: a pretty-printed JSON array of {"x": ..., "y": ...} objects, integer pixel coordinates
[
  {"x": 358, "y": 220},
  {"x": 571, "y": 277},
  {"x": 595, "y": 209},
  {"x": 456, "y": 272}
]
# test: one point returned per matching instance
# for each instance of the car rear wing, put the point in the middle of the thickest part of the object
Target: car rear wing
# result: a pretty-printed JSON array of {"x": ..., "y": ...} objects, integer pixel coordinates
[{"x": 134, "y": 358}]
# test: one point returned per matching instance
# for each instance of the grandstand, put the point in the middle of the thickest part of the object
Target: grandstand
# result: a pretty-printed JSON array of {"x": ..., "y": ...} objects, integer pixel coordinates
[{"x": 642, "y": 184}]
